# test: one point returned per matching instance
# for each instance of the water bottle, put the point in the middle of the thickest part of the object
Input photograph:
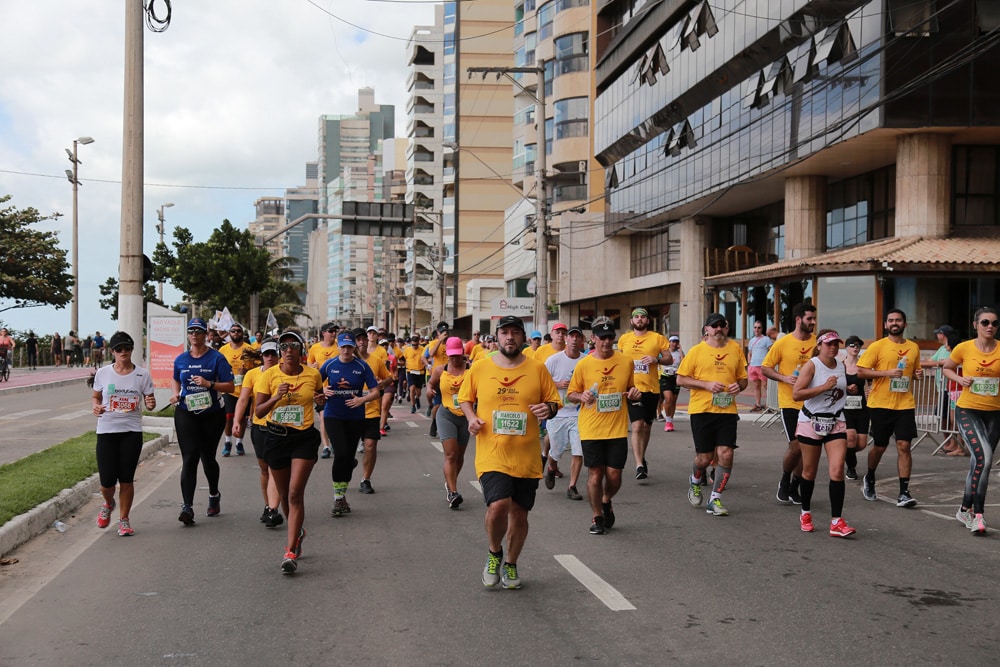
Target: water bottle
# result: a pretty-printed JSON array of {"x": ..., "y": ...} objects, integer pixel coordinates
[
  {"x": 593, "y": 390},
  {"x": 60, "y": 526},
  {"x": 798, "y": 368},
  {"x": 902, "y": 364}
]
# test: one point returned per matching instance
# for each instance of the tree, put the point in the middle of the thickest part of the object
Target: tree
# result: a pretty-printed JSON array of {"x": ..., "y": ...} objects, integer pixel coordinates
[
  {"x": 109, "y": 290},
  {"x": 34, "y": 270},
  {"x": 281, "y": 296}
]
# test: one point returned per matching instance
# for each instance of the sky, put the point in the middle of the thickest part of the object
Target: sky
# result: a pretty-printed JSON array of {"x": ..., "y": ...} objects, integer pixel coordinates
[{"x": 233, "y": 91}]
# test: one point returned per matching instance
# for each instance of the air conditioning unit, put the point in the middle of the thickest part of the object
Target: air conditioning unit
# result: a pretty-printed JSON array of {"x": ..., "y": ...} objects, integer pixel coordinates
[{"x": 582, "y": 166}]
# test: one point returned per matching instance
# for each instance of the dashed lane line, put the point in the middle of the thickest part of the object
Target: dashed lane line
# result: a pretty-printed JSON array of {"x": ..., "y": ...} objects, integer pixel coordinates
[{"x": 601, "y": 589}]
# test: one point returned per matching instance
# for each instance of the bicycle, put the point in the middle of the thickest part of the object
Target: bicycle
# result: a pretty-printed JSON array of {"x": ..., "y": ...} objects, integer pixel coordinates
[{"x": 4, "y": 368}]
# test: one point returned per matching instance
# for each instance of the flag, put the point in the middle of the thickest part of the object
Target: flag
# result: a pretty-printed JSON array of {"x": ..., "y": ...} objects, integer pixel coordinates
[
  {"x": 225, "y": 320},
  {"x": 272, "y": 323}
]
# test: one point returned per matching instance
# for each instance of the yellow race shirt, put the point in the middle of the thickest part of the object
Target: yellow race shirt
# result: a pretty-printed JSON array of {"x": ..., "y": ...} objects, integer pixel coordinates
[
  {"x": 477, "y": 353},
  {"x": 440, "y": 353},
  {"x": 545, "y": 351},
  {"x": 373, "y": 408},
  {"x": 984, "y": 369},
  {"x": 509, "y": 440},
  {"x": 712, "y": 364},
  {"x": 607, "y": 417},
  {"x": 449, "y": 386},
  {"x": 414, "y": 357},
  {"x": 295, "y": 410},
  {"x": 884, "y": 355},
  {"x": 318, "y": 355},
  {"x": 249, "y": 382},
  {"x": 378, "y": 354},
  {"x": 635, "y": 346},
  {"x": 787, "y": 354},
  {"x": 235, "y": 359}
]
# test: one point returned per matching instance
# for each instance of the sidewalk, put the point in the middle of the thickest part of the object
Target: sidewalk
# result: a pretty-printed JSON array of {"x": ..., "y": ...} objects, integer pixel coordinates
[{"x": 23, "y": 379}]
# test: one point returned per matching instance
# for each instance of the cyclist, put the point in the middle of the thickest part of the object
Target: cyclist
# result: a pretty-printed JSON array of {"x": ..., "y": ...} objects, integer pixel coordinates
[
  {"x": 98, "y": 350},
  {"x": 7, "y": 346}
]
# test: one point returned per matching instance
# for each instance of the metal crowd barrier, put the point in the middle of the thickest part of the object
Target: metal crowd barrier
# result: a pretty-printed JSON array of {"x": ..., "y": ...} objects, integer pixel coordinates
[
  {"x": 771, "y": 412},
  {"x": 935, "y": 410}
]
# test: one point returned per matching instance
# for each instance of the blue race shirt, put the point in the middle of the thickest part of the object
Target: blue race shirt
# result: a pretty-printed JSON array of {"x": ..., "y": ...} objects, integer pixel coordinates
[
  {"x": 347, "y": 380},
  {"x": 212, "y": 366}
]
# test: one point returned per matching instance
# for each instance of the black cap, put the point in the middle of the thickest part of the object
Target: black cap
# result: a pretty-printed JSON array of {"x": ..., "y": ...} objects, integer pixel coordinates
[
  {"x": 944, "y": 329},
  {"x": 714, "y": 318},
  {"x": 574, "y": 330},
  {"x": 605, "y": 328},
  {"x": 329, "y": 326},
  {"x": 120, "y": 338},
  {"x": 510, "y": 321},
  {"x": 443, "y": 326}
]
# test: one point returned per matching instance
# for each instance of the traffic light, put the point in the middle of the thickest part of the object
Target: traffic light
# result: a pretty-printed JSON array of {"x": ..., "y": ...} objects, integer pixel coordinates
[{"x": 147, "y": 269}]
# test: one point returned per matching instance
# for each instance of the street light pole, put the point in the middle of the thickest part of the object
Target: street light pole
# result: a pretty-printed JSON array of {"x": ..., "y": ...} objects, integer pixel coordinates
[
  {"x": 160, "y": 229},
  {"x": 73, "y": 178}
]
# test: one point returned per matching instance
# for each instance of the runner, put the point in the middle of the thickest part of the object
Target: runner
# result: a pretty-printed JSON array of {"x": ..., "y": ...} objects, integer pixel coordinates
[
  {"x": 782, "y": 364},
  {"x": 270, "y": 517},
  {"x": 715, "y": 372},
  {"x": 377, "y": 349},
  {"x": 57, "y": 350},
  {"x": 453, "y": 427},
  {"x": 534, "y": 342},
  {"x": 891, "y": 363},
  {"x": 201, "y": 375},
  {"x": 822, "y": 386},
  {"x": 644, "y": 348},
  {"x": 474, "y": 342},
  {"x": 319, "y": 353},
  {"x": 436, "y": 355},
  {"x": 668, "y": 380},
  {"x": 977, "y": 411},
  {"x": 511, "y": 393},
  {"x": 233, "y": 352},
  {"x": 563, "y": 429},
  {"x": 286, "y": 396},
  {"x": 31, "y": 347},
  {"x": 120, "y": 392},
  {"x": 98, "y": 349},
  {"x": 757, "y": 349},
  {"x": 855, "y": 408},
  {"x": 603, "y": 383},
  {"x": 376, "y": 360},
  {"x": 345, "y": 378},
  {"x": 413, "y": 355}
]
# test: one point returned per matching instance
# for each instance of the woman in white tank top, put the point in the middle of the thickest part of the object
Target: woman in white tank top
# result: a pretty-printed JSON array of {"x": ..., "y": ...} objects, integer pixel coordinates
[{"x": 822, "y": 385}]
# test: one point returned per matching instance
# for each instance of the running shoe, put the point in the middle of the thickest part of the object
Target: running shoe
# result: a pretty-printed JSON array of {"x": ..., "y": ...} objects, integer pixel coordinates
[
  {"x": 550, "y": 479},
  {"x": 668, "y": 427},
  {"x": 806, "y": 522},
  {"x": 966, "y": 518},
  {"x": 905, "y": 500},
  {"x": 491, "y": 572},
  {"x": 417, "y": 404},
  {"x": 266, "y": 513},
  {"x": 573, "y": 494},
  {"x": 868, "y": 488},
  {"x": 382, "y": 432},
  {"x": 794, "y": 496},
  {"x": 597, "y": 527},
  {"x": 274, "y": 519},
  {"x": 782, "y": 494},
  {"x": 227, "y": 448},
  {"x": 852, "y": 474},
  {"x": 427, "y": 412},
  {"x": 839, "y": 528},
  {"x": 978, "y": 526},
  {"x": 609, "y": 515},
  {"x": 454, "y": 499},
  {"x": 434, "y": 429},
  {"x": 413, "y": 409},
  {"x": 290, "y": 564},
  {"x": 326, "y": 453},
  {"x": 124, "y": 529},
  {"x": 104, "y": 514},
  {"x": 715, "y": 508},
  {"x": 366, "y": 487},
  {"x": 298, "y": 542},
  {"x": 214, "y": 505},
  {"x": 239, "y": 449},
  {"x": 694, "y": 494},
  {"x": 640, "y": 472},
  {"x": 509, "y": 578},
  {"x": 340, "y": 508},
  {"x": 361, "y": 447},
  {"x": 186, "y": 516}
]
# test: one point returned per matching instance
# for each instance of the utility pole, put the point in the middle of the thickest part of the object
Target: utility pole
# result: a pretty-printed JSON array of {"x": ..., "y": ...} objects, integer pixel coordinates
[
  {"x": 541, "y": 222},
  {"x": 161, "y": 229},
  {"x": 74, "y": 179}
]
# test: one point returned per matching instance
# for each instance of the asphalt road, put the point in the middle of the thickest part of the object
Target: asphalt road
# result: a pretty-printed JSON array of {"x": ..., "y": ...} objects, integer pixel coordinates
[
  {"x": 398, "y": 580},
  {"x": 34, "y": 420}
]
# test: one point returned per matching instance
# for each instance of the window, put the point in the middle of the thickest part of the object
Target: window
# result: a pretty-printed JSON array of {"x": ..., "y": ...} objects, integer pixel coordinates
[
  {"x": 913, "y": 18},
  {"x": 545, "y": 15},
  {"x": 571, "y": 54},
  {"x": 571, "y": 117},
  {"x": 975, "y": 173},
  {"x": 655, "y": 253},
  {"x": 861, "y": 209},
  {"x": 847, "y": 300}
]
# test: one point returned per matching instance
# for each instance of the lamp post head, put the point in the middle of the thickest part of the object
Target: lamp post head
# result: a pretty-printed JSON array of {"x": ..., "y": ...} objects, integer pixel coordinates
[{"x": 85, "y": 140}]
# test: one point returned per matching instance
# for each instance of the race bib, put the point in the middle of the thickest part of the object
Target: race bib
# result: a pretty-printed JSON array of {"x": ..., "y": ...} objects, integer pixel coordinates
[
  {"x": 852, "y": 403},
  {"x": 640, "y": 367},
  {"x": 823, "y": 425},
  {"x": 128, "y": 403},
  {"x": 198, "y": 402},
  {"x": 723, "y": 399},
  {"x": 238, "y": 379},
  {"x": 290, "y": 415},
  {"x": 985, "y": 386},
  {"x": 899, "y": 385},
  {"x": 506, "y": 422},
  {"x": 609, "y": 402}
]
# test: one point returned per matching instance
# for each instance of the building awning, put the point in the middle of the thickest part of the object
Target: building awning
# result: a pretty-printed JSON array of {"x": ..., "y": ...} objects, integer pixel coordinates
[{"x": 906, "y": 255}]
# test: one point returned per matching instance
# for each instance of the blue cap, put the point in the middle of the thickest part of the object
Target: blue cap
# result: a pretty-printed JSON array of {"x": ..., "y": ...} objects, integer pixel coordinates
[
  {"x": 197, "y": 323},
  {"x": 346, "y": 339},
  {"x": 536, "y": 334}
]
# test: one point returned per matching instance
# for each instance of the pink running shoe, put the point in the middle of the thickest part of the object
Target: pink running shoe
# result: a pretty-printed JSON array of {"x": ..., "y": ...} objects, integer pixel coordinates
[
  {"x": 104, "y": 515},
  {"x": 839, "y": 528},
  {"x": 806, "y": 522},
  {"x": 668, "y": 427}
]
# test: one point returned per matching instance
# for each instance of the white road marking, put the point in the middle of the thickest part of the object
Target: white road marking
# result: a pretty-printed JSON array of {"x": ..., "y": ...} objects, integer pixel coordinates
[
  {"x": 74, "y": 415},
  {"x": 24, "y": 413},
  {"x": 475, "y": 483},
  {"x": 412, "y": 424},
  {"x": 436, "y": 444},
  {"x": 601, "y": 589}
]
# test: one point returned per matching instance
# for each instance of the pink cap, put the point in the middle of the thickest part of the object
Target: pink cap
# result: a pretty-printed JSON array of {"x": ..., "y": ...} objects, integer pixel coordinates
[
  {"x": 829, "y": 337},
  {"x": 559, "y": 325},
  {"x": 454, "y": 346}
]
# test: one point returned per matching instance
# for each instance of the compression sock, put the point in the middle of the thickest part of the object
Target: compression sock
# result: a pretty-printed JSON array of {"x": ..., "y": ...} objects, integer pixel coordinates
[
  {"x": 904, "y": 485},
  {"x": 721, "y": 479},
  {"x": 339, "y": 490},
  {"x": 806, "y": 487},
  {"x": 837, "y": 498}
]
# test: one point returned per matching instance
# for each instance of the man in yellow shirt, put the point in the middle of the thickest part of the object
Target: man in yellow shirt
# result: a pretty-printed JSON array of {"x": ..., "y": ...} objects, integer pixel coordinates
[
  {"x": 319, "y": 354},
  {"x": 781, "y": 364},
  {"x": 603, "y": 383},
  {"x": 644, "y": 349},
  {"x": 511, "y": 394},
  {"x": 557, "y": 345},
  {"x": 233, "y": 352},
  {"x": 413, "y": 356},
  {"x": 715, "y": 370},
  {"x": 892, "y": 364}
]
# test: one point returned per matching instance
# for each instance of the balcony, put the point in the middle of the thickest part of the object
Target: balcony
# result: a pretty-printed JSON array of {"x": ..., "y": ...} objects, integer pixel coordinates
[{"x": 734, "y": 258}]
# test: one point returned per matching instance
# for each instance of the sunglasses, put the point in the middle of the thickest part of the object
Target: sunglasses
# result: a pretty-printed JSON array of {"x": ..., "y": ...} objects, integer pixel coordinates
[
  {"x": 123, "y": 348},
  {"x": 296, "y": 346},
  {"x": 989, "y": 323},
  {"x": 236, "y": 331},
  {"x": 720, "y": 325},
  {"x": 855, "y": 345},
  {"x": 605, "y": 337},
  {"x": 197, "y": 331}
]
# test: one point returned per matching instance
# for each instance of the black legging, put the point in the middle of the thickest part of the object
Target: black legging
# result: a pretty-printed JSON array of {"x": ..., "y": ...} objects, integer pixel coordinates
[
  {"x": 198, "y": 437},
  {"x": 981, "y": 430},
  {"x": 344, "y": 436}
]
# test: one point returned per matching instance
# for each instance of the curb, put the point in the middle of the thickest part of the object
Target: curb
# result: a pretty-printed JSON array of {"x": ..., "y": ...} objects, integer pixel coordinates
[
  {"x": 25, "y": 526},
  {"x": 39, "y": 387}
]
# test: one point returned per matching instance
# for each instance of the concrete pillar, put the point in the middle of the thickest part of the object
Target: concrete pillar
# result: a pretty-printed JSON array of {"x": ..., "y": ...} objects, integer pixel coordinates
[
  {"x": 694, "y": 240},
  {"x": 923, "y": 185},
  {"x": 805, "y": 216}
]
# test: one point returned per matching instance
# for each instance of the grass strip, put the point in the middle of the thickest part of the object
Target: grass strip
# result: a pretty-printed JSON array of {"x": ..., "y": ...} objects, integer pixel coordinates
[
  {"x": 168, "y": 411},
  {"x": 29, "y": 482}
]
